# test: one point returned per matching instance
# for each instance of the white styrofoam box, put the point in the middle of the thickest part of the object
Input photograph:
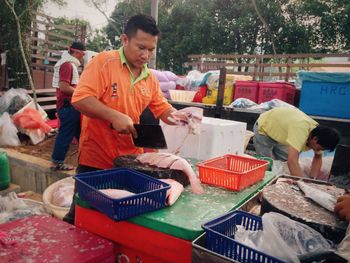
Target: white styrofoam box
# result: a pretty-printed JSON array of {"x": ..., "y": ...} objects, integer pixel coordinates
[{"x": 217, "y": 137}]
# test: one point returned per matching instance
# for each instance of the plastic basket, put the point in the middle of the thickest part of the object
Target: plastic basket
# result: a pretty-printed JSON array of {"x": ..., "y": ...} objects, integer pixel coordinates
[
  {"x": 182, "y": 95},
  {"x": 220, "y": 234},
  {"x": 231, "y": 171},
  {"x": 150, "y": 193}
]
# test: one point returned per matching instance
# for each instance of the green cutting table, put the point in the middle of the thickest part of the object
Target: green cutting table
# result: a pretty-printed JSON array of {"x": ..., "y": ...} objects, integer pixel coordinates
[{"x": 185, "y": 217}]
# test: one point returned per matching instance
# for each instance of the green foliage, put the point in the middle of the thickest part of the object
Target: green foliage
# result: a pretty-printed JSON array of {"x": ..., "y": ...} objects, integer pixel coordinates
[
  {"x": 98, "y": 41},
  {"x": 9, "y": 38},
  {"x": 122, "y": 12}
]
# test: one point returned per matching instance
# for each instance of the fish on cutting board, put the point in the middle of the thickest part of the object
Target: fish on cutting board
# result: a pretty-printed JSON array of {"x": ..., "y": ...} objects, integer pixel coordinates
[
  {"x": 322, "y": 198},
  {"x": 174, "y": 192},
  {"x": 172, "y": 161},
  {"x": 116, "y": 193}
]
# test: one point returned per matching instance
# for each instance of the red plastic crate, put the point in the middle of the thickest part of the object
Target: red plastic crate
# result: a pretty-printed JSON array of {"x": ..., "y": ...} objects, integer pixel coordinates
[
  {"x": 276, "y": 90},
  {"x": 246, "y": 89},
  {"x": 232, "y": 172},
  {"x": 134, "y": 242}
]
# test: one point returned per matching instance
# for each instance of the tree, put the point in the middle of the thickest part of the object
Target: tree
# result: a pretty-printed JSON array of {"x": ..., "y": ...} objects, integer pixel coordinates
[
  {"x": 16, "y": 17},
  {"x": 122, "y": 12},
  {"x": 98, "y": 41},
  {"x": 240, "y": 27}
]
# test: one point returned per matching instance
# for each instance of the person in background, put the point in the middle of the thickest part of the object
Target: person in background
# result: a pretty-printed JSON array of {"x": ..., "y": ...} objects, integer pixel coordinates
[
  {"x": 113, "y": 91},
  {"x": 282, "y": 133},
  {"x": 65, "y": 79}
]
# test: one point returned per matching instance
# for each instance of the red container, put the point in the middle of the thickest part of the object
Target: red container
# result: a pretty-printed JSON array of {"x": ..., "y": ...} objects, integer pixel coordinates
[
  {"x": 134, "y": 243},
  {"x": 246, "y": 89},
  {"x": 276, "y": 90},
  {"x": 201, "y": 93},
  {"x": 46, "y": 239},
  {"x": 232, "y": 172}
]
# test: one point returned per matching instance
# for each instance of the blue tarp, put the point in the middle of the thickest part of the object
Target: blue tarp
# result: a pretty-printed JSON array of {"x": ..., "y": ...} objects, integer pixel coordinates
[{"x": 335, "y": 77}]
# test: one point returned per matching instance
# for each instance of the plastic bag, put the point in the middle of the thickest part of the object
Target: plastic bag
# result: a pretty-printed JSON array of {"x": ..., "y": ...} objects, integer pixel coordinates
[
  {"x": 275, "y": 103},
  {"x": 8, "y": 131},
  {"x": 280, "y": 167},
  {"x": 195, "y": 79},
  {"x": 343, "y": 248},
  {"x": 242, "y": 103},
  {"x": 31, "y": 119},
  {"x": 63, "y": 195},
  {"x": 12, "y": 208},
  {"x": 283, "y": 238},
  {"x": 13, "y": 100},
  {"x": 164, "y": 76}
]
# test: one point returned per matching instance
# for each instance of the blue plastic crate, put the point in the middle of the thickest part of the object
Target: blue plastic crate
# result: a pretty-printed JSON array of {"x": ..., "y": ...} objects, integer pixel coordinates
[
  {"x": 150, "y": 193},
  {"x": 220, "y": 234}
]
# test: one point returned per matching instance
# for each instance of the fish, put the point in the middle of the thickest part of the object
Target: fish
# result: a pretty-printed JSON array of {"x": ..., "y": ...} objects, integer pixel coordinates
[
  {"x": 191, "y": 117},
  {"x": 174, "y": 162},
  {"x": 322, "y": 198},
  {"x": 116, "y": 193},
  {"x": 174, "y": 192}
]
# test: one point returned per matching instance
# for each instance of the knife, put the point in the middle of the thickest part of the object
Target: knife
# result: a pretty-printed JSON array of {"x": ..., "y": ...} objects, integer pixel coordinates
[{"x": 150, "y": 136}]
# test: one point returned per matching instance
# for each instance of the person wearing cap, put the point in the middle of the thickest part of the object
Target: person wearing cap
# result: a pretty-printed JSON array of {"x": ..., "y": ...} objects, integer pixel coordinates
[
  {"x": 65, "y": 79},
  {"x": 282, "y": 133}
]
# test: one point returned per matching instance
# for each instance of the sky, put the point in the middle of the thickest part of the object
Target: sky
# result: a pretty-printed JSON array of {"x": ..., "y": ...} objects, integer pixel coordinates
[{"x": 79, "y": 9}]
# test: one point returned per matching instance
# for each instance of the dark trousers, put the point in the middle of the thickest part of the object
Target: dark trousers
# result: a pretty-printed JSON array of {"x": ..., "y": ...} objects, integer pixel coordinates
[
  {"x": 70, "y": 216},
  {"x": 69, "y": 128}
]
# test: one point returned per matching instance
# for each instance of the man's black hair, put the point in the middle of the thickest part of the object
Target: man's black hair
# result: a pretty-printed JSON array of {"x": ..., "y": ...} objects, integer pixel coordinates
[
  {"x": 327, "y": 137},
  {"x": 143, "y": 22},
  {"x": 78, "y": 45}
]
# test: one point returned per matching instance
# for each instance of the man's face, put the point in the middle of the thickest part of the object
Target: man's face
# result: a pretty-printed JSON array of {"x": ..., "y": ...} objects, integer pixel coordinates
[
  {"x": 79, "y": 55},
  {"x": 139, "y": 48},
  {"x": 313, "y": 144}
]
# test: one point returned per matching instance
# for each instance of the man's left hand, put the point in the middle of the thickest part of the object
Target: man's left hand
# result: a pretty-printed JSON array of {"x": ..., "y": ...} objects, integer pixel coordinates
[{"x": 342, "y": 207}]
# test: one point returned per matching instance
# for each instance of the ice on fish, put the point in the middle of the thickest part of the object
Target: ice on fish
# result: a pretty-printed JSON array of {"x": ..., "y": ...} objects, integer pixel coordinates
[
  {"x": 116, "y": 193},
  {"x": 322, "y": 198}
]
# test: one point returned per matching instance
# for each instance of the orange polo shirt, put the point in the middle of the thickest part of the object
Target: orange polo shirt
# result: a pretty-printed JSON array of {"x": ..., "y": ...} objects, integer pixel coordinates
[{"x": 108, "y": 78}]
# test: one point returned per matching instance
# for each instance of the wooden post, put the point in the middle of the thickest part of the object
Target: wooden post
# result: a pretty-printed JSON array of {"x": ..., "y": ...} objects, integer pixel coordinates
[
  {"x": 46, "y": 50},
  {"x": 221, "y": 90},
  {"x": 288, "y": 71}
]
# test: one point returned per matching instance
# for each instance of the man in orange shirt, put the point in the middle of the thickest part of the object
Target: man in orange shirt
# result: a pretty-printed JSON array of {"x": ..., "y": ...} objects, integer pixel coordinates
[{"x": 113, "y": 91}]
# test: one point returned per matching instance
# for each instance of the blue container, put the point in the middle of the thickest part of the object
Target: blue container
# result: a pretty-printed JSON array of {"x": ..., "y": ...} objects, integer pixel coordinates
[
  {"x": 325, "y": 94},
  {"x": 150, "y": 193},
  {"x": 220, "y": 237}
]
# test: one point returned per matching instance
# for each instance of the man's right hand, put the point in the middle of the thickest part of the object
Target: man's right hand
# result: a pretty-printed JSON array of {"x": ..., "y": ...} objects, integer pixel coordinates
[
  {"x": 123, "y": 124},
  {"x": 94, "y": 108}
]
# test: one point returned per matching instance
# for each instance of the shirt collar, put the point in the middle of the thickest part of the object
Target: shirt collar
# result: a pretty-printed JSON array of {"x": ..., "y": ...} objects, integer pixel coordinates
[{"x": 145, "y": 70}]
